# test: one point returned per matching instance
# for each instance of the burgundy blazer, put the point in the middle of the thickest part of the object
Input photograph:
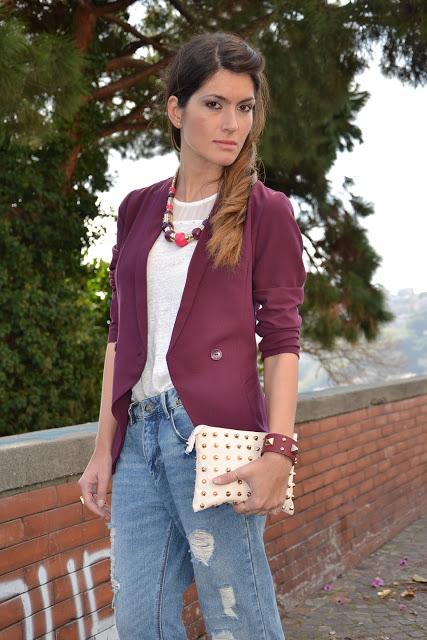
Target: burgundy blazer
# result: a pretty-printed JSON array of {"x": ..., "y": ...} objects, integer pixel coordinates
[{"x": 212, "y": 355}]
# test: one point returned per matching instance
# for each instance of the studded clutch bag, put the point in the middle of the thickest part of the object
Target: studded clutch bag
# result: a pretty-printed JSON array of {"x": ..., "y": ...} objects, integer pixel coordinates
[{"x": 218, "y": 450}]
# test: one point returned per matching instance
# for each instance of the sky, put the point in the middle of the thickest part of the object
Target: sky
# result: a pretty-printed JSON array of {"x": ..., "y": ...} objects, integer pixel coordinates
[{"x": 388, "y": 169}]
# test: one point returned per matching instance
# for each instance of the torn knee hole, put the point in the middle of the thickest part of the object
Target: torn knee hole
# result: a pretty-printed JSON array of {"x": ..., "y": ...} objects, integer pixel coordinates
[
  {"x": 223, "y": 635},
  {"x": 228, "y": 601},
  {"x": 202, "y": 545},
  {"x": 115, "y": 584}
]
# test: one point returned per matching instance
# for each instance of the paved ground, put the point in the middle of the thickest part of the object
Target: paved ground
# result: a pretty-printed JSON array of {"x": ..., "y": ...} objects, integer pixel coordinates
[{"x": 353, "y": 610}]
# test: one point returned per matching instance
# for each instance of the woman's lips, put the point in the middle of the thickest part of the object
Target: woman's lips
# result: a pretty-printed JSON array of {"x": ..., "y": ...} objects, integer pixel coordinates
[{"x": 226, "y": 145}]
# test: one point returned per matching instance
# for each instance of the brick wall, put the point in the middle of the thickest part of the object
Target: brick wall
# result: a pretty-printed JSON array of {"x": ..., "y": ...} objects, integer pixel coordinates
[{"x": 360, "y": 478}]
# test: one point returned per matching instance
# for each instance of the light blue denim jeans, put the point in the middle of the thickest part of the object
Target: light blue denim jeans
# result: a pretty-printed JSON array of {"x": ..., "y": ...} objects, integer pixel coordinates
[{"x": 159, "y": 544}]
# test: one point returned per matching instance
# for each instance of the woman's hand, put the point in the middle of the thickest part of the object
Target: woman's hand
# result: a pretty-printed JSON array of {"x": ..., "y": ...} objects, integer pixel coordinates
[
  {"x": 94, "y": 482},
  {"x": 267, "y": 477}
]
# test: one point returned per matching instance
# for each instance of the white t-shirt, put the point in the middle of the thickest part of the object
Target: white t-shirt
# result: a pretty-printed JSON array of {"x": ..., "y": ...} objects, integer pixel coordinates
[{"x": 167, "y": 266}]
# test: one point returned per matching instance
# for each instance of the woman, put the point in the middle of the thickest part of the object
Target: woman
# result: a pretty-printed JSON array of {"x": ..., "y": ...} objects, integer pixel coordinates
[{"x": 182, "y": 351}]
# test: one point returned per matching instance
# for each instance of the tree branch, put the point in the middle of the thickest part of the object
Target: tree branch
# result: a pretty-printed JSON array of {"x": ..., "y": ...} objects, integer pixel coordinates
[
  {"x": 104, "y": 93},
  {"x": 131, "y": 126},
  {"x": 111, "y": 7},
  {"x": 142, "y": 39},
  {"x": 127, "y": 62},
  {"x": 183, "y": 11},
  {"x": 130, "y": 117},
  {"x": 257, "y": 24}
]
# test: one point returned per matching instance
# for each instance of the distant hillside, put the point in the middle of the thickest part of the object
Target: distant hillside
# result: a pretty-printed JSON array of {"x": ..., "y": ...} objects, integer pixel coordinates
[{"x": 399, "y": 352}]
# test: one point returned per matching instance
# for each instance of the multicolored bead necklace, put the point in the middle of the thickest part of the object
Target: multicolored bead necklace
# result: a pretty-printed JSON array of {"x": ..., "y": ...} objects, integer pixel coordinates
[{"x": 180, "y": 239}]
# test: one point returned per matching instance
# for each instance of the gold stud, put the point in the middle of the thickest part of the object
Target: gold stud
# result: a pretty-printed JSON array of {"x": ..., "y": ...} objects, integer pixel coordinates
[
  {"x": 236, "y": 435},
  {"x": 246, "y": 436},
  {"x": 239, "y": 458},
  {"x": 204, "y": 433},
  {"x": 255, "y": 437},
  {"x": 250, "y": 458},
  {"x": 204, "y": 480},
  {"x": 204, "y": 456},
  {"x": 227, "y": 457},
  {"x": 215, "y": 445},
  {"x": 249, "y": 493},
  {"x": 215, "y": 468},
  {"x": 248, "y": 446},
  {"x": 202, "y": 506},
  {"x": 240, "y": 481},
  {"x": 215, "y": 493},
  {"x": 204, "y": 444},
  {"x": 204, "y": 468},
  {"x": 203, "y": 493},
  {"x": 228, "y": 493},
  {"x": 228, "y": 469}
]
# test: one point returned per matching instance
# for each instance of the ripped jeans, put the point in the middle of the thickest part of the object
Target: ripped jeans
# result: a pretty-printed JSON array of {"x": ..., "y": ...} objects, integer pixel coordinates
[{"x": 159, "y": 544}]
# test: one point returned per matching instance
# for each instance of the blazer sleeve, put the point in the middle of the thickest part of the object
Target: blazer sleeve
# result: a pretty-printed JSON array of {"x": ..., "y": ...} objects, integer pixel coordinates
[
  {"x": 114, "y": 311},
  {"x": 278, "y": 278}
]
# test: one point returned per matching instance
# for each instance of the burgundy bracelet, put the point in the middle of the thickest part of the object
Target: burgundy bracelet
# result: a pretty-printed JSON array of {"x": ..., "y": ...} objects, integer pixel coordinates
[{"x": 279, "y": 443}]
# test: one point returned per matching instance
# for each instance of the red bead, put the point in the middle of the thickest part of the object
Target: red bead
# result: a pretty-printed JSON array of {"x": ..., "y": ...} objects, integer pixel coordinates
[
  {"x": 180, "y": 239},
  {"x": 196, "y": 233}
]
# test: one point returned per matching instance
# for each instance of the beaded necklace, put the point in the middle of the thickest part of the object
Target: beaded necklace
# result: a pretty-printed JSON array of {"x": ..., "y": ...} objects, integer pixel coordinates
[{"x": 180, "y": 239}]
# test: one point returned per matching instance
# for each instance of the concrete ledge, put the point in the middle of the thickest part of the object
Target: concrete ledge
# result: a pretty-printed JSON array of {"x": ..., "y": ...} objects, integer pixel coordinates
[
  {"x": 61, "y": 454},
  {"x": 331, "y": 402},
  {"x": 41, "y": 457}
]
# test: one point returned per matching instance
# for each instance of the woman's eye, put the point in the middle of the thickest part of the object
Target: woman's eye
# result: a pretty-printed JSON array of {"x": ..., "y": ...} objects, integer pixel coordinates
[
  {"x": 250, "y": 107},
  {"x": 211, "y": 102}
]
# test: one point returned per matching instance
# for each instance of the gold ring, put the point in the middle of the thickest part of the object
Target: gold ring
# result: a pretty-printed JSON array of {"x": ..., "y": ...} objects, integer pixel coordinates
[{"x": 82, "y": 500}]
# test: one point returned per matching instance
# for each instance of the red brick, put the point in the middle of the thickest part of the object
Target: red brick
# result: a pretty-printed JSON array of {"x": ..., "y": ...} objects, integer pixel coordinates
[
  {"x": 22, "y": 504},
  {"x": 10, "y": 533},
  {"x": 352, "y": 417},
  {"x": 24, "y": 553},
  {"x": 52, "y": 520},
  {"x": 77, "y": 535},
  {"x": 308, "y": 429},
  {"x": 15, "y": 632}
]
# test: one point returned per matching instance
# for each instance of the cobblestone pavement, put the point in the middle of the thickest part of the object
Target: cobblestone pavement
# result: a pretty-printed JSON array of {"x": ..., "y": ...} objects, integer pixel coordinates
[{"x": 363, "y": 614}]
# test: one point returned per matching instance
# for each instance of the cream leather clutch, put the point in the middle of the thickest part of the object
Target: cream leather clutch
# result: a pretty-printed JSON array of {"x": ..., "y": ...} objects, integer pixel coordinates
[{"x": 219, "y": 450}]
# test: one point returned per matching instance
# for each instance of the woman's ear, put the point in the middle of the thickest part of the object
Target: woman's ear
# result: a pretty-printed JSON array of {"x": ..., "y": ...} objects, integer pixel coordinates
[{"x": 174, "y": 111}]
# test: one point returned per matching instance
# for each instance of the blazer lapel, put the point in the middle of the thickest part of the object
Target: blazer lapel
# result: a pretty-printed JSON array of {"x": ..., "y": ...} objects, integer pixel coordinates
[{"x": 197, "y": 266}]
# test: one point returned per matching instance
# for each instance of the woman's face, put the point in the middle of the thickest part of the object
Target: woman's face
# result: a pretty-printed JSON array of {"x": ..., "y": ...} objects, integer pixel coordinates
[{"x": 221, "y": 109}]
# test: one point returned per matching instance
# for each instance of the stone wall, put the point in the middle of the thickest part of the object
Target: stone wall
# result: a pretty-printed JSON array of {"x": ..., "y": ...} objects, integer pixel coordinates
[{"x": 361, "y": 477}]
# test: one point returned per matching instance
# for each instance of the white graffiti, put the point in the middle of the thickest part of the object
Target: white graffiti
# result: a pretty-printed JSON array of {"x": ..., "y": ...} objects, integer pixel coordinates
[{"x": 100, "y": 629}]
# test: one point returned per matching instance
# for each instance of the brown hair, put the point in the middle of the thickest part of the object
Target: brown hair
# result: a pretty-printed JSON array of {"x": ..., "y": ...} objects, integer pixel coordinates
[{"x": 196, "y": 61}]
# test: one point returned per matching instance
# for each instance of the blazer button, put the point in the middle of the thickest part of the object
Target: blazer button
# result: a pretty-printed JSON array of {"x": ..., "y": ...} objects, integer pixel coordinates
[{"x": 216, "y": 354}]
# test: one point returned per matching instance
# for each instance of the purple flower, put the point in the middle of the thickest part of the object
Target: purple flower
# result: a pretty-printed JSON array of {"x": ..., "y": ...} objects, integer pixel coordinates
[
  {"x": 402, "y": 606},
  {"x": 377, "y": 582},
  {"x": 328, "y": 586},
  {"x": 403, "y": 561}
]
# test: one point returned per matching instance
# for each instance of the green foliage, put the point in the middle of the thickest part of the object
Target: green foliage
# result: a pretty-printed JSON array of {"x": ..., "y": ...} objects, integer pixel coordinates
[
  {"x": 42, "y": 84},
  {"x": 79, "y": 81}
]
